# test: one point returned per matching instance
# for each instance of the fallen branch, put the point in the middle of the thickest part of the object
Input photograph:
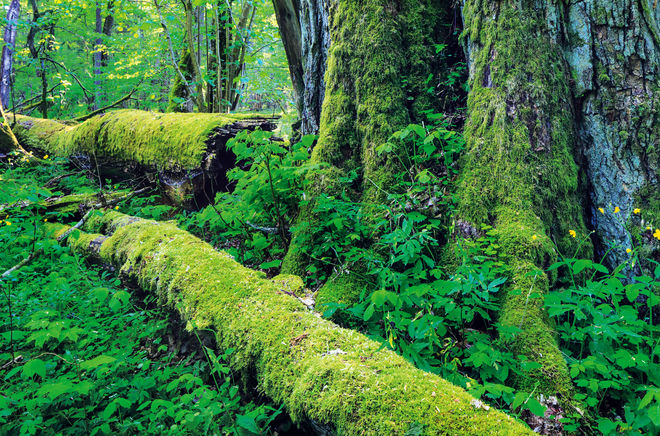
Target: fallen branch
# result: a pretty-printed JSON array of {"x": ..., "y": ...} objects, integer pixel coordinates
[
  {"x": 110, "y": 106},
  {"x": 22, "y": 263}
]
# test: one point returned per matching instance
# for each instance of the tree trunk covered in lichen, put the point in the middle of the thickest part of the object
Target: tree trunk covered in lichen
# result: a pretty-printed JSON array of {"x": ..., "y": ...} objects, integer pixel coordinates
[
  {"x": 380, "y": 57},
  {"x": 613, "y": 50}
]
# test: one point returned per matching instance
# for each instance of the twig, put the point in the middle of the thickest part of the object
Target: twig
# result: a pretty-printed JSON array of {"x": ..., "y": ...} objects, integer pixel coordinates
[
  {"x": 58, "y": 178},
  {"x": 22, "y": 263},
  {"x": 110, "y": 106}
]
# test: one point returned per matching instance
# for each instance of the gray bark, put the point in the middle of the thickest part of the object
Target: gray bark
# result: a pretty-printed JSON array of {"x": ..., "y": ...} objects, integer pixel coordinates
[
  {"x": 304, "y": 30},
  {"x": 613, "y": 50},
  {"x": 8, "y": 51}
]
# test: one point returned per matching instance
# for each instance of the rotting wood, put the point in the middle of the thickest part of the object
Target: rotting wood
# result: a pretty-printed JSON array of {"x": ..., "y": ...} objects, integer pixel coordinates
[{"x": 184, "y": 154}]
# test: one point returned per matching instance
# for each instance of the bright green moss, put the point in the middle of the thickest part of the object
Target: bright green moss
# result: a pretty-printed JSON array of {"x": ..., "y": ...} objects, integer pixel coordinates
[
  {"x": 519, "y": 174},
  {"x": 379, "y": 64},
  {"x": 164, "y": 140},
  {"x": 318, "y": 370},
  {"x": 37, "y": 133}
]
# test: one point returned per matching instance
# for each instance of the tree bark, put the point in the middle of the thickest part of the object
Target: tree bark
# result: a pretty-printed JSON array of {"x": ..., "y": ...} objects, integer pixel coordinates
[
  {"x": 320, "y": 372},
  {"x": 613, "y": 51},
  {"x": 306, "y": 37},
  {"x": 13, "y": 13}
]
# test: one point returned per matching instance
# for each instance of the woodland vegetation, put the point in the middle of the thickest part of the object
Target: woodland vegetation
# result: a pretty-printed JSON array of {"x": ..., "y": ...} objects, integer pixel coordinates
[{"x": 406, "y": 217}]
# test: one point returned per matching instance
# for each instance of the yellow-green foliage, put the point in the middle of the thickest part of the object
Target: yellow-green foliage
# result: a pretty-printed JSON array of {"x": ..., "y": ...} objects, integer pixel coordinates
[
  {"x": 318, "y": 370},
  {"x": 519, "y": 173}
]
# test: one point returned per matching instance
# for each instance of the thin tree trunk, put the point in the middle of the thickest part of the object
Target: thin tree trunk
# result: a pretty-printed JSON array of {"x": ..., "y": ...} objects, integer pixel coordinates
[
  {"x": 8, "y": 51},
  {"x": 98, "y": 56}
]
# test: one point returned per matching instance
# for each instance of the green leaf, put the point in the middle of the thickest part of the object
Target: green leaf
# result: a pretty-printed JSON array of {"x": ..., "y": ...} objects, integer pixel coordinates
[
  {"x": 369, "y": 312},
  {"x": 535, "y": 407},
  {"x": 248, "y": 423},
  {"x": 580, "y": 265},
  {"x": 272, "y": 264},
  {"x": 34, "y": 367},
  {"x": 54, "y": 390},
  {"x": 97, "y": 361}
]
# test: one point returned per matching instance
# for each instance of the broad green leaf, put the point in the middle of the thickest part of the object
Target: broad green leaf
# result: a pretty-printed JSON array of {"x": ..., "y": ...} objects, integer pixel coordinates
[
  {"x": 34, "y": 367},
  {"x": 97, "y": 361}
]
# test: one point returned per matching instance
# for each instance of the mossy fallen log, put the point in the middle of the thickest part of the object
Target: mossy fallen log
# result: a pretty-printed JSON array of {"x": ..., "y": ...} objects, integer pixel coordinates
[
  {"x": 322, "y": 373},
  {"x": 184, "y": 153}
]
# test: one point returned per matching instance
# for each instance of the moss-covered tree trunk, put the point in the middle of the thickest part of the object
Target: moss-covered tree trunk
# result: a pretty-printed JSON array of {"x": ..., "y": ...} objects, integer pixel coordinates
[
  {"x": 519, "y": 173},
  {"x": 380, "y": 55},
  {"x": 322, "y": 373}
]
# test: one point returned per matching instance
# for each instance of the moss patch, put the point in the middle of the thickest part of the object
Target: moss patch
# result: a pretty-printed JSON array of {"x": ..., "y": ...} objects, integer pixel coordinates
[{"x": 317, "y": 369}]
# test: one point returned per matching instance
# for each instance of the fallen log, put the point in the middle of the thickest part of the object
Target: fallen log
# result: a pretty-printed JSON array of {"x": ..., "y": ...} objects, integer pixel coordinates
[
  {"x": 336, "y": 378},
  {"x": 185, "y": 154}
]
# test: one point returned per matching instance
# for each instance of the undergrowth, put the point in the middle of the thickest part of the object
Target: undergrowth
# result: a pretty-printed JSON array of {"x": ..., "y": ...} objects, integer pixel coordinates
[{"x": 83, "y": 354}]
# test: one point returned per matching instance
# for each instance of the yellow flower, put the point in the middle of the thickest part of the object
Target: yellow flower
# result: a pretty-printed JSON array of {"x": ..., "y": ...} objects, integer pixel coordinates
[
  {"x": 116, "y": 207},
  {"x": 617, "y": 210},
  {"x": 628, "y": 250},
  {"x": 9, "y": 224},
  {"x": 45, "y": 220},
  {"x": 534, "y": 238},
  {"x": 601, "y": 210},
  {"x": 637, "y": 211},
  {"x": 657, "y": 234},
  {"x": 648, "y": 227},
  {"x": 572, "y": 233},
  {"x": 46, "y": 157}
]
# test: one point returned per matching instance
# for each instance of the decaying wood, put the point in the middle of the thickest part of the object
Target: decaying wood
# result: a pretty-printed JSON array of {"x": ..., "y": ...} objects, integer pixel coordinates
[
  {"x": 184, "y": 154},
  {"x": 338, "y": 379}
]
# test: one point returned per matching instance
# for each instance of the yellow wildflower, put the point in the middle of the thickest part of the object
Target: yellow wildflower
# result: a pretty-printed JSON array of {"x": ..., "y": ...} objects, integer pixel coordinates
[
  {"x": 648, "y": 227},
  {"x": 45, "y": 220},
  {"x": 534, "y": 238},
  {"x": 9, "y": 224},
  {"x": 637, "y": 211},
  {"x": 617, "y": 210},
  {"x": 116, "y": 207},
  {"x": 46, "y": 157},
  {"x": 628, "y": 250},
  {"x": 572, "y": 233},
  {"x": 657, "y": 234},
  {"x": 601, "y": 210}
]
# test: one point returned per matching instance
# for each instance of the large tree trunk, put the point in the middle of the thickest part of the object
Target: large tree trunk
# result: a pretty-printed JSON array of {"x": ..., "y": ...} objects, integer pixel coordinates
[
  {"x": 336, "y": 378},
  {"x": 613, "y": 50},
  {"x": 185, "y": 154},
  {"x": 13, "y": 13},
  {"x": 519, "y": 174},
  {"x": 373, "y": 46}
]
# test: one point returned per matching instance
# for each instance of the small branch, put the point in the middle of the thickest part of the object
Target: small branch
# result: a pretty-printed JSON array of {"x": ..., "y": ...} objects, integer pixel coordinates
[
  {"x": 110, "y": 106},
  {"x": 80, "y": 223},
  {"x": 22, "y": 263}
]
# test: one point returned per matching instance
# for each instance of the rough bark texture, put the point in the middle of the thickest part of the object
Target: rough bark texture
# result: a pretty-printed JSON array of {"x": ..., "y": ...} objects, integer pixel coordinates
[
  {"x": 13, "y": 12},
  {"x": 185, "y": 153},
  {"x": 319, "y": 371},
  {"x": 304, "y": 30},
  {"x": 519, "y": 174},
  {"x": 613, "y": 50}
]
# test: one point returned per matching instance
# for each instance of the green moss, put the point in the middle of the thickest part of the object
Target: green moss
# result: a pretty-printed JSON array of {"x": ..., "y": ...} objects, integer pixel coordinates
[
  {"x": 381, "y": 56},
  {"x": 76, "y": 203},
  {"x": 519, "y": 174},
  {"x": 37, "y": 133},
  {"x": 164, "y": 140},
  {"x": 318, "y": 370},
  {"x": 179, "y": 90}
]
